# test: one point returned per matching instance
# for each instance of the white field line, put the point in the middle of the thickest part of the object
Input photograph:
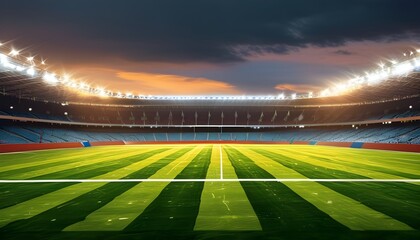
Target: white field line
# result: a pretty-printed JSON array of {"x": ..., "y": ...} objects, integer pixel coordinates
[
  {"x": 205, "y": 180},
  {"x": 221, "y": 162}
]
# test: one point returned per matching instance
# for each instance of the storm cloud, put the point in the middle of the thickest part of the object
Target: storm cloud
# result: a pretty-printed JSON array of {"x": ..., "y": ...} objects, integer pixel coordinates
[{"x": 185, "y": 31}]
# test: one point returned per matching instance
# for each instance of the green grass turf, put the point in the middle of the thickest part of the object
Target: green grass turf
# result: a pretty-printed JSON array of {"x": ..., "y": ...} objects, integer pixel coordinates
[{"x": 210, "y": 210}]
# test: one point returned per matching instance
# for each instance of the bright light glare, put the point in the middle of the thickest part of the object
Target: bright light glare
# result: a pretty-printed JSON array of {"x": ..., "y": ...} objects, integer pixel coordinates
[
  {"x": 416, "y": 62},
  {"x": 402, "y": 68},
  {"x": 50, "y": 78},
  {"x": 30, "y": 72},
  {"x": 84, "y": 86},
  {"x": 325, "y": 93},
  {"x": 14, "y": 52},
  {"x": 372, "y": 77},
  {"x": 3, "y": 59},
  {"x": 66, "y": 78},
  {"x": 101, "y": 92}
]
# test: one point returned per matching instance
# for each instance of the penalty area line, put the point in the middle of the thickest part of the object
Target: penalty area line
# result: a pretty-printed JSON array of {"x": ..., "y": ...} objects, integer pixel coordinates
[{"x": 204, "y": 180}]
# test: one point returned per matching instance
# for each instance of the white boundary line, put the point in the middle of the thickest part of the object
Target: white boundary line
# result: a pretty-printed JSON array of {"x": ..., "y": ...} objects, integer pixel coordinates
[
  {"x": 206, "y": 180},
  {"x": 221, "y": 162}
]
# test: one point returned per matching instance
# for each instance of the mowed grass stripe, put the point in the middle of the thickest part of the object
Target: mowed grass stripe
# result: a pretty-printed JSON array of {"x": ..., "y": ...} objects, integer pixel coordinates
[
  {"x": 278, "y": 207},
  {"x": 384, "y": 161},
  {"x": 78, "y": 208},
  {"x": 224, "y": 205},
  {"x": 42, "y": 203},
  {"x": 405, "y": 158},
  {"x": 76, "y": 166},
  {"x": 121, "y": 211},
  {"x": 11, "y": 194},
  {"x": 321, "y": 165},
  {"x": 79, "y": 164},
  {"x": 397, "y": 200},
  {"x": 55, "y": 162},
  {"x": 333, "y": 203},
  {"x": 33, "y": 159},
  {"x": 342, "y": 158},
  {"x": 177, "y": 206},
  {"x": 358, "y": 159},
  {"x": 400, "y": 201}
]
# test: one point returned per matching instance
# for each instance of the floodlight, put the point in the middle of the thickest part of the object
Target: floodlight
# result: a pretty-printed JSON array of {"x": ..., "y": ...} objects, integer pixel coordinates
[
  {"x": 30, "y": 59},
  {"x": 3, "y": 59},
  {"x": 325, "y": 93},
  {"x": 30, "y": 71},
  {"x": 84, "y": 86},
  {"x": 101, "y": 91},
  {"x": 281, "y": 96},
  {"x": 14, "y": 52},
  {"x": 66, "y": 78},
  {"x": 402, "y": 68},
  {"x": 416, "y": 62},
  {"x": 310, "y": 94},
  {"x": 373, "y": 78},
  {"x": 50, "y": 78},
  {"x": 19, "y": 68}
]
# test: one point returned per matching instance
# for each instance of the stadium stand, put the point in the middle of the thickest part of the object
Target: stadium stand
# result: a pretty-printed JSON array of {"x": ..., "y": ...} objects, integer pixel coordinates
[
  {"x": 12, "y": 132},
  {"x": 32, "y": 111}
]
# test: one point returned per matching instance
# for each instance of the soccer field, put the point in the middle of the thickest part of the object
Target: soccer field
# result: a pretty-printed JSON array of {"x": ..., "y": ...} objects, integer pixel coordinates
[{"x": 210, "y": 191}]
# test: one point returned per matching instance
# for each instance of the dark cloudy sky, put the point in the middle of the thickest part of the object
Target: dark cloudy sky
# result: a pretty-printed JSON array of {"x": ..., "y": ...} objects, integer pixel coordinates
[{"x": 211, "y": 47}]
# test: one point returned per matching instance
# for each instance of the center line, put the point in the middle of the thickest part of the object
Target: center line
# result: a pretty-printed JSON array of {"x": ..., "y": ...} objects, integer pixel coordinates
[{"x": 221, "y": 162}]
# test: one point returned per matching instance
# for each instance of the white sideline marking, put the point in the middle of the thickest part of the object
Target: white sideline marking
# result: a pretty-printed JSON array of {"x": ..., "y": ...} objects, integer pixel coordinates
[
  {"x": 221, "y": 162},
  {"x": 206, "y": 180}
]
